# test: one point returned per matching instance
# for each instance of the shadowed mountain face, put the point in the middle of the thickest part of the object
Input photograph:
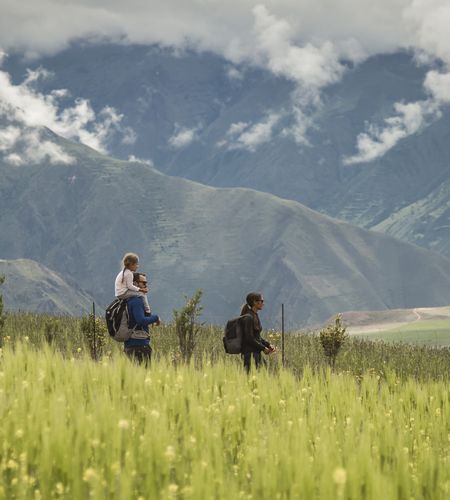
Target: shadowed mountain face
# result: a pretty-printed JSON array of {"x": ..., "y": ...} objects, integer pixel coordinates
[
  {"x": 161, "y": 93},
  {"x": 80, "y": 219},
  {"x": 30, "y": 286}
]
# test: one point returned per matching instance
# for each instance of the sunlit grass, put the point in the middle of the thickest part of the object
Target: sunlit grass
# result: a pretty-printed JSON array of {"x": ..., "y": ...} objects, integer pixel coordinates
[{"x": 74, "y": 428}]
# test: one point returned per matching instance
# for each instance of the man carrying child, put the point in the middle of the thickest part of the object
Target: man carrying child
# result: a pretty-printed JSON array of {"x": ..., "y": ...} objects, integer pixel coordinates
[{"x": 138, "y": 347}]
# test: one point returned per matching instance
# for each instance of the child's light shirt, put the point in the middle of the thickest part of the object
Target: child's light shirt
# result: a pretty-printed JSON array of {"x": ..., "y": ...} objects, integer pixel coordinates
[{"x": 124, "y": 282}]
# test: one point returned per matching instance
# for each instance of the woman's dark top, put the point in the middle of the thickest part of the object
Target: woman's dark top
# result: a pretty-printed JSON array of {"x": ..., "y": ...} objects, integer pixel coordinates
[{"x": 252, "y": 340}]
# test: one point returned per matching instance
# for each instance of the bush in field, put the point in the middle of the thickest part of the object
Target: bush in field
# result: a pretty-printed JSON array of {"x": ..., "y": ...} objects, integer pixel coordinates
[
  {"x": 95, "y": 332},
  {"x": 186, "y": 326},
  {"x": 332, "y": 338}
]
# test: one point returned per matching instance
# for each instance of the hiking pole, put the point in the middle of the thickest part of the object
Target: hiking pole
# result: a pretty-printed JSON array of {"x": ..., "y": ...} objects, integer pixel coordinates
[
  {"x": 282, "y": 334},
  {"x": 93, "y": 324}
]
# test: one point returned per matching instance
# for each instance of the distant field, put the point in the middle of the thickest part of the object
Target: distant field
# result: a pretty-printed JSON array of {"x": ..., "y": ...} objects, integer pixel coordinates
[
  {"x": 423, "y": 326},
  {"x": 421, "y": 332}
]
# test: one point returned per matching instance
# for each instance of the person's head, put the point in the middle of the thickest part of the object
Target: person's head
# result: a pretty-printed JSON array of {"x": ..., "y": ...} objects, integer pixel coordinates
[
  {"x": 140, "y": 280},
  {"x": 253, "y": 302},
  {"x": 130, "y": 261}
]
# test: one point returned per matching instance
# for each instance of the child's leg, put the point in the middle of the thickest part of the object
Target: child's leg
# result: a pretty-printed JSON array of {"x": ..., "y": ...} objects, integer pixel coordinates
[
  {"x": 128, "y": 294},
  {"x": 146, "y": 304},
  {"x": 132, "y": 293}
]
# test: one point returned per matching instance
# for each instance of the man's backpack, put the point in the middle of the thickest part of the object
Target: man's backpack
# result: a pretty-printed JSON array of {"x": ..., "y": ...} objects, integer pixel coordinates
[
  {"x": 234, "y": 333},
  {"x": 116, "y": 316}
]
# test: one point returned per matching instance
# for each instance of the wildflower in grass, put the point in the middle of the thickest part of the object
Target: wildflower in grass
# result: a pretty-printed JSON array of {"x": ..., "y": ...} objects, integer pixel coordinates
[
  {"x": 170, "y": 453},
  {"x": 59, "y": 488},
  {"x": 340, "y": 476},
  {"x": 155, "y": 414},
  {"x": 89, "y": 474},
  {"x": 187, "y": 491},
  {"x": 173, "y": 489},
  {"x": 124, "y": 424},
  {"x": 11, "y": 464},
  {"x": 19, "y": 433}
]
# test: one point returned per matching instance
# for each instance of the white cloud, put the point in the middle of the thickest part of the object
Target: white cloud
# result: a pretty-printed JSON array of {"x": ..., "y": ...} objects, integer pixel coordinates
[
  {"x": 8, "y": 137},
  {"x": 223, "y": 27},
  {"x": 302, "y": 40},
  {"x": 311, "y": 66},
  {"x": 21, "y": 105},
  {"x": 409, "y": 119},
  {"x": 234, "y": 74},
  {"x": 377, "y": 141},
  {"x": 438, "y": 85},
  {"x": 249, "y": 136},
  {"x": 183, "y": 136},
  {"x": 37, "y": 74},
  {"x": 30, "y": 146},
  {"x": 135, "y": 159},
  {"x": 237, "y": 128}
]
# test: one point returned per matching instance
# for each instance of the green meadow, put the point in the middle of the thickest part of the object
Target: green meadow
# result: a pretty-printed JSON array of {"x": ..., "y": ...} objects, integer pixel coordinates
[
  {"x": 377, "y": 426},
  {"x": 427, "y": 333},
  {"x": 75, "y": 428}
]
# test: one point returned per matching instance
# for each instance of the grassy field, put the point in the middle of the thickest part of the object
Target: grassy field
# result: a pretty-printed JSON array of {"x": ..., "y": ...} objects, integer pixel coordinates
[
  {"x": 74, "y": 428},
  {"x": 357, "y": 357},
  {"x": 429, "y": 333},
  {"x": 426, "y": 326}
]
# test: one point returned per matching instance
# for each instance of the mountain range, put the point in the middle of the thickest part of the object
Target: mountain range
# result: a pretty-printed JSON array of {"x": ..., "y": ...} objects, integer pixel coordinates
[
  {"x": 78, "y": 219},
  {"x": 161, "y": 93}
]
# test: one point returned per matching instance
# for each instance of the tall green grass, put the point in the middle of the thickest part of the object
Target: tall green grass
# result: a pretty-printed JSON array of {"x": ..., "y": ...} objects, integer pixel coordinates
[
  {"x": 357, "y": 357},
  {"x": 74, "y": 428}
]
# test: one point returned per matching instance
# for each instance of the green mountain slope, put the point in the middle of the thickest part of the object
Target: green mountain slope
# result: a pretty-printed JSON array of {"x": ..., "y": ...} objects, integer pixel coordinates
[
  {"x": 79, "y": 220},
  {"x": 160, "y": 92},
  {"x": 30, "y": 286}
]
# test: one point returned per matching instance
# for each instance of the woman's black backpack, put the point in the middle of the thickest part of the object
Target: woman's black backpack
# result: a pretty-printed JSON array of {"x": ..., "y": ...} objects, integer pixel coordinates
[{"x": 234, "y": 333}]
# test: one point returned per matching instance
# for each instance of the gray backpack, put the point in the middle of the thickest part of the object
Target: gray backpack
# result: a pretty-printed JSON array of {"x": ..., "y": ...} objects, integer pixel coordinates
[{"x": 116, "y": 316}]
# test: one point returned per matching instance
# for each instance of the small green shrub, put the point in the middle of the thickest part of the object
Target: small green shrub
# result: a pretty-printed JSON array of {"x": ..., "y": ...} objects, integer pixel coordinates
[
  {"x": 95, "y": 333},
  {"x": 186, "y": 326},
  {"x": 332, "y": 339}
]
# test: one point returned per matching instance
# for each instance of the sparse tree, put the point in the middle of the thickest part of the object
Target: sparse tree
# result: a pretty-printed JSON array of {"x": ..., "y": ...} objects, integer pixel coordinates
[
  {"x": 186, "y": 325},
  {"x": 332, "y": 338}
]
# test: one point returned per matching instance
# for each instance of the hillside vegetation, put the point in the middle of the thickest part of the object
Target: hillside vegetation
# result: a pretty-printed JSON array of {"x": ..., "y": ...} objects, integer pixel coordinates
[
  {"x": 30, "y": 286},
  {"x": 404, "y": 193}
]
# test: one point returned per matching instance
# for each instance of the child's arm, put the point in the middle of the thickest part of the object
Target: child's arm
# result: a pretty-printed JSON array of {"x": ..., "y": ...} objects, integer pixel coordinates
[{"x": 129, "y": 282}]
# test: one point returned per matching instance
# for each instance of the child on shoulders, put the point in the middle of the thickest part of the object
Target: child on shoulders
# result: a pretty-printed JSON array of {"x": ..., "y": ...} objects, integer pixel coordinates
[{"x": 124, "y": 287}]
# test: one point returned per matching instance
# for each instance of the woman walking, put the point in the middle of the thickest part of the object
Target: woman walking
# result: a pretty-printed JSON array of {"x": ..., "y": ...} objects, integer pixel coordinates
[{"x": 252, "y": 342}]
